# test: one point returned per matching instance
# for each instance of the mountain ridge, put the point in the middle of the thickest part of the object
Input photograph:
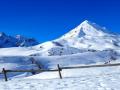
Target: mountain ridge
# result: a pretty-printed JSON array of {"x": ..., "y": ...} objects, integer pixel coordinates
[{"x": 16, "y": 41}]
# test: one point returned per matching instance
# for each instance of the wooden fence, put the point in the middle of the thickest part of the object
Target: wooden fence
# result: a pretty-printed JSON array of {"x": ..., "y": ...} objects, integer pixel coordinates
[{"x": 59, "y": 69}]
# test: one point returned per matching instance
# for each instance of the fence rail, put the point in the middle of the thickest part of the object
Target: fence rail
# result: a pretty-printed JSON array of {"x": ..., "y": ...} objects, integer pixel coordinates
[
  {"x": 59, "y": 69},
  {"x": 4, "y": 71},
  {"x": 91, "y": 66},
  {"x": 40, "y": 70}
]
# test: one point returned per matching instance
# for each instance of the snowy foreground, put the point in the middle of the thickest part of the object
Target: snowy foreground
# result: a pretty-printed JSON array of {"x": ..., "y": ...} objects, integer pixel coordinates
[{"x": 101, "y": 78}]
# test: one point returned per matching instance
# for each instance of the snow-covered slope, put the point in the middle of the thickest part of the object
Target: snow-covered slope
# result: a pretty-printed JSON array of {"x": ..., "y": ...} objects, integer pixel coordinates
[
  {"x": 87, "y": 37},
  {"x": 86, "y": 44},
  {"x": 91, "y": 36},
  {"x": 103, "y": 78},
  {"x": 17, "y": 41}
]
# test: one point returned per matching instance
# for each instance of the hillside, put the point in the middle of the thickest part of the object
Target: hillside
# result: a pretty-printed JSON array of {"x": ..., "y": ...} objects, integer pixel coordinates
[{"x": 88, "y": 43}]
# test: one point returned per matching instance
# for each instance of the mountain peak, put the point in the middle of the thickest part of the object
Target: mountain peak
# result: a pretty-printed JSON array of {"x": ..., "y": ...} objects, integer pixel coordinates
[
  {"x": 85, "y": 22},
  {"x": 85, "y": 28}
]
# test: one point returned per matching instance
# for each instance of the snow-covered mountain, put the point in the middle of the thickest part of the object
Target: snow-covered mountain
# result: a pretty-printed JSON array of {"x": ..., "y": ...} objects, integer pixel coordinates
[
  {"x": 17, "y": 41},
  {"x": 90, "y": 36},
  {"x": 88, "y": 43},
  {"x": 87, "y": 37}
]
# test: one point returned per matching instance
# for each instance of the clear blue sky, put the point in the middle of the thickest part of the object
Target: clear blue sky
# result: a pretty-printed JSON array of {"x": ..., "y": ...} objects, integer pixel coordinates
[{"x": 48, "y": 19}]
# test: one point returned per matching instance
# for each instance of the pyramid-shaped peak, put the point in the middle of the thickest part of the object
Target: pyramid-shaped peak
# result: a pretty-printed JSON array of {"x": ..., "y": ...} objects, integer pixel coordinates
[
  {"x": 90, "y": 28},
  {"x": 86, "y": 28},
  {"x": 88, "y": 24},
  {"x": 86, "y": 21}
]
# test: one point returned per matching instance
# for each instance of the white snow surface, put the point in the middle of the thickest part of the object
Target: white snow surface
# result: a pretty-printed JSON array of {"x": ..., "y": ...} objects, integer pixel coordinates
[
  {"x": 86, "y": 44},
  {"x": 107, "y": 78}
]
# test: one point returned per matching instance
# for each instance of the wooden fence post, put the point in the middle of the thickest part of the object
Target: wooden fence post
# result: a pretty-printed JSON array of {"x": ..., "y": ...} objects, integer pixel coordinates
[
  {"x": 5, "y": 74},
  {"x": 59, "y": 70}
]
